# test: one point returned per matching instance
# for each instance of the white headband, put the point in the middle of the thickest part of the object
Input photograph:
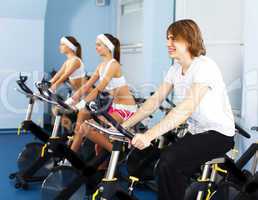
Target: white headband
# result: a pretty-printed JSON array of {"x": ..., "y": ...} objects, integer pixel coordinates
[
  {"x": 65, "y": 41},
  {"x": 106, "y": 42}
]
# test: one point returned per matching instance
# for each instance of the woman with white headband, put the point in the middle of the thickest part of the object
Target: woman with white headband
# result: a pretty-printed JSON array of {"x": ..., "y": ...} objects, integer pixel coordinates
[
  {"x": 110, "y": 77},
  {"x": 72, "y": 70}
]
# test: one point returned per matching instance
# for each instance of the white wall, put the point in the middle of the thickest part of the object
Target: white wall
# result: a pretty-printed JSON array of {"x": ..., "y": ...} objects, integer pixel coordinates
[
  {"x": 23, "y": 9},
  {"x": 250, "y": 72},
  {"x": 21, "y": 50},
  {"x": 145, "y": 69},
  {"x": 221, "y": 24}
]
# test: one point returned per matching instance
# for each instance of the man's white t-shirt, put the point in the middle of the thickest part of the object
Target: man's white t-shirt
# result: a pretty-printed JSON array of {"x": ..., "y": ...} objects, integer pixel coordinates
[{"x": 214, "y": 111}]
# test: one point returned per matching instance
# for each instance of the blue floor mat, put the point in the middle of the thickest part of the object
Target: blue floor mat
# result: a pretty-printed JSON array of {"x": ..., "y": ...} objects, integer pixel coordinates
[{"x": 10, "y": 146}]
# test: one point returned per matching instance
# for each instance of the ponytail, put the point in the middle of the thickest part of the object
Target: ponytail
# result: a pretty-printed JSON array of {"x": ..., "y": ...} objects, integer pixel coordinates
[
  {"x": 116, "y": 43},
  {"x": 78, "y": 50},
  {"x": 77, "y": 44}
]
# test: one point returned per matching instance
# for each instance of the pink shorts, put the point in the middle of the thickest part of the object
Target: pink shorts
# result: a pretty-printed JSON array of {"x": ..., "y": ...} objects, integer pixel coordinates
[{"x": 124, "y": 111}]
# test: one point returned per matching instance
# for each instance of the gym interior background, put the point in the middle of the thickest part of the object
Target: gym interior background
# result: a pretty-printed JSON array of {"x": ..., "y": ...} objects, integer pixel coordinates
[{"x": 31, "y": 31}]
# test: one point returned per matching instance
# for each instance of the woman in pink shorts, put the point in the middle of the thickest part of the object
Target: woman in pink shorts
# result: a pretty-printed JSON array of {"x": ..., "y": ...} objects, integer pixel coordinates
[{"x": 109, "y": 75}]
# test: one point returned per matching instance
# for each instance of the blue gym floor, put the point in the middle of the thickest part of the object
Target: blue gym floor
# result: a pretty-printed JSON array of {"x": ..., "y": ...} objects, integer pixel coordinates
[{"x": 10, "y": 146}]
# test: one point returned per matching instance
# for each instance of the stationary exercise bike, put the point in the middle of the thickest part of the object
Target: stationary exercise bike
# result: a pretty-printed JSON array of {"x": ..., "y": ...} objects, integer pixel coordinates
[
  {"x": 30, "y": 169},
  {"x": 224, "y": 179},
  {"x": 71, "y": 182},
  {"x": 33, "y": 165},
  {"x": 110, "y": 187}
]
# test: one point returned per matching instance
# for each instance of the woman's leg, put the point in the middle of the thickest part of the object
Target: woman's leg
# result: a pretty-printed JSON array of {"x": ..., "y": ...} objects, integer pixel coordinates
[
  {"x": 179, "y": 161},
  {"x": 78, "y": 135},
  {"x": 98, "y": 138}
]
